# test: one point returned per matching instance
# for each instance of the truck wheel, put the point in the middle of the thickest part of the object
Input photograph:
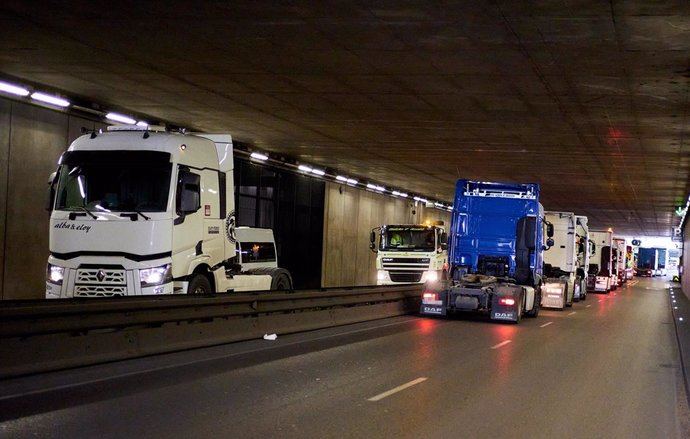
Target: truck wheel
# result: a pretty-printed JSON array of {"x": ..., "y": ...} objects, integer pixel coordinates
[
  {"x": 280, "y": 283},
  {"x": 199, "y": 285},
  {"x": 537, "y": 303}
]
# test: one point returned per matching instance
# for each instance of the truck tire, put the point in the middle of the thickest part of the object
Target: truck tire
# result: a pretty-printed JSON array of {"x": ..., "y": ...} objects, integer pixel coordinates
[
  {"x": 199, "y": 285},
  {"x": 534, "y": 312},
  {"x": 281, "y": 282}
]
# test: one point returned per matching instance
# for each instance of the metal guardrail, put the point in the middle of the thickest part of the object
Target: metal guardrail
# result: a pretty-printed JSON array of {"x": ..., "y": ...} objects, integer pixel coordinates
[{"x": 45, "y": 335}]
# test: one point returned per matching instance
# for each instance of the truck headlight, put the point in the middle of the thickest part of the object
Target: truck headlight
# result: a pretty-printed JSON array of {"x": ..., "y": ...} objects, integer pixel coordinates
[
  {"x": 55, "y": 274},
  {"x": 155, "y": 276},
  {"x": 381, "y": 275},
  {"x": 430, "y": 276}
]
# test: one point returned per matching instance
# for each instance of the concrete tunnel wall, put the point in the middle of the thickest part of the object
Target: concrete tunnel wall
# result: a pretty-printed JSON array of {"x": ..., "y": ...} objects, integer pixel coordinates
[
  {"x": 31, "y": 141},
  {"x": 685, "y": 263}
]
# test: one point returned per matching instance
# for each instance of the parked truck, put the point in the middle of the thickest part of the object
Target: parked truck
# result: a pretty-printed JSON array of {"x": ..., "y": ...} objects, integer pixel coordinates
[
  {"x": 647, "y": 261},
  {"x": 621, "y": 260},
  {"x": 496, "y": 247},
  {"x": 138, "y": 211},
  {"x": 560, "y": 262},
  {"x": 600, "y": 277},
  {"x": 409, "y": 253},
  {"x": 584, "y": 253}
]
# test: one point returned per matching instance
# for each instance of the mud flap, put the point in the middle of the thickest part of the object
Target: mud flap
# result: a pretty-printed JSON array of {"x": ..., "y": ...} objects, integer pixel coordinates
[
  {"x": 434, "y": 302},
  {"x": 506, "y": 303}
]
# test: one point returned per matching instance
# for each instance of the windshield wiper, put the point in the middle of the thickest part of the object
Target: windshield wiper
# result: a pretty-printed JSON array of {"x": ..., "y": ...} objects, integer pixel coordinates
[
  {"x": 142, "y": 215},
  {"x": 88, "y": 212}
]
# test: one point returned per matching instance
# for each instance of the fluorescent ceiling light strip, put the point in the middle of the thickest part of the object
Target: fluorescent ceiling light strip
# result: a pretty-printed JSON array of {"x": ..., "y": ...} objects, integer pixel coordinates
[
  {"x": 116, "y": 117},
  {"x": 13, "y": 89},
  {"x": 48, "y": 99},
  {"x": 305, "y": 168},
  {"x": 258, "y": 156},
  {"x": 318, "y": 172}
]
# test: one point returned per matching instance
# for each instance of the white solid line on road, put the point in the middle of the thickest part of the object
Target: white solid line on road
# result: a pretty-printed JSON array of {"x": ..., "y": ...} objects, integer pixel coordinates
[
  {"x": 572, "y": 313},
  {"x": 588, "y": 305},
  {"x": 503, "y": 343},
  {"x": 545, "y": 324},
  {"x": 388, "y": 393}
]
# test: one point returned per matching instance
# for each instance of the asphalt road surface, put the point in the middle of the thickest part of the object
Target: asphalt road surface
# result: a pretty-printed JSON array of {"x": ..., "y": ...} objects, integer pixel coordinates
[{"x": 607, "y": 367}]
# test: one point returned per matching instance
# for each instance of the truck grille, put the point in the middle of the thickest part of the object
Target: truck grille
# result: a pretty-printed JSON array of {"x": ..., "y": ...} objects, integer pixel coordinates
[
  {"x": 100, "y": 282},
  {"x": 406, "y": 276},
  {"x": 96, "y": 291},
  {"x": 405, "y": 263}
]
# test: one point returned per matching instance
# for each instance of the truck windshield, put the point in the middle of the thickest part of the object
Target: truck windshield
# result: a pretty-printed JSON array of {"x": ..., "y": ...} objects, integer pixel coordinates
[
  {"x": 115, "y": 181},
  {"x": 408, "y": 239}
]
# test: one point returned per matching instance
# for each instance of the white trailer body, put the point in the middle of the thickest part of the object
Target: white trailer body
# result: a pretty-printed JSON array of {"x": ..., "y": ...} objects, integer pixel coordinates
[
  {"x": 560, "y": 262},
  {"x": 409, "y": 253},
  {"x": 136, "y": 211},
  {"x": 584, "y": 251},
  {"x": 600, "y": 277}
]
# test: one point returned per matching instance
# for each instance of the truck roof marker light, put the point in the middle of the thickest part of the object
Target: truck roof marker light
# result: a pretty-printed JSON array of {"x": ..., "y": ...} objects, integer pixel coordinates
[
  {"x": 341, "y": 178},
  {"x": 318, "y": 172},
  {"x": 49, "y": 99},
  {"x": 305, "y": 168},
  {"x": 13, "y": 89},
  {"x": 116, "y": 117},
  {"x": 258, "y": 156}
]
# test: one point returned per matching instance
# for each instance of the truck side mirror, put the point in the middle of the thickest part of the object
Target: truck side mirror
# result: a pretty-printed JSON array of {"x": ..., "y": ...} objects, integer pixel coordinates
[
  {"x": 188, "y": 192},
  {"x": 372, "y": 241},
  {"x": 50, "y": 202},
  {"x": 549, "y": 243},
  {"x": 443, "y": 238},
  {"x": 549, "y": 230}
]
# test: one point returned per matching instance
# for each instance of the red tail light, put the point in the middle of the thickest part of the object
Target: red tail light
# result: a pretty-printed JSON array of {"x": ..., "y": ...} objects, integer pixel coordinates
[
  {"x": 506, "y": 301},
  {"x": 430, "y": 296}
]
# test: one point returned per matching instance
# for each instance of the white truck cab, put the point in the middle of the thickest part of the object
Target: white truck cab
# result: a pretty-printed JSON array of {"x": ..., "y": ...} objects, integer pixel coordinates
[
  {"x": 601, "y": 278},
  {"x": 561, "y": 282},
  {"x": 138, "y": 211},
  {"x": 409, "y": 253}
]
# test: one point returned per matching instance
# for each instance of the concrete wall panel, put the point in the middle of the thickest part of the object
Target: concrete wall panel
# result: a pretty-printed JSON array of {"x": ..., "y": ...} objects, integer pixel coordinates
[
  {"x": 38, "y": 137},
  {"x": 350, "y": 215},
  {"x": 5, "y": 128}
]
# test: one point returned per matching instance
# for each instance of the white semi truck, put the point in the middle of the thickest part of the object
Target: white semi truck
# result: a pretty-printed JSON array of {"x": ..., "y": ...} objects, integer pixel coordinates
[
  {"x": 409, "y": 253},
  {"x": 140, "y": 211},
  {"x": 600, "y": 276},
  {"x": 621, "y": 261},
  {"x": 561, "y": 282},
  {"x": 584, "y": 253}
]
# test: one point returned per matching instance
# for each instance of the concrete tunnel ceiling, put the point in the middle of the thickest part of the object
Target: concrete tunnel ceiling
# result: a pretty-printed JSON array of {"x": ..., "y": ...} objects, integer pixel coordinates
[{"x": 588, "y": 98}]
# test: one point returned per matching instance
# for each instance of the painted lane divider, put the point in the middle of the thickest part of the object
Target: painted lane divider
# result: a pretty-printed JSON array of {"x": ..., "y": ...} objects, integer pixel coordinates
[
  {"x": 572, "y": 313},
  {"x": 501, "y": 344},
  {"x": 546, "y": 324},
  {"x": 401, "y": 387}
]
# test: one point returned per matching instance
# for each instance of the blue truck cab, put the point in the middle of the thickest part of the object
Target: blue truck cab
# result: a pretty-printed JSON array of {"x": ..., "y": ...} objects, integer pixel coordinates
[{"x": 496, "y": 248}]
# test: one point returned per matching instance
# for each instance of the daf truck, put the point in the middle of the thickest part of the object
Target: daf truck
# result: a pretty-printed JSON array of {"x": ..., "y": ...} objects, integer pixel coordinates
[
  {"x": 409, "y": 253},
  {"x": 496, "y": 248},
  {"x": 141, "y": 211},
  {"x": 600, "y": 277},
  {"x": 560, "y": 262}
]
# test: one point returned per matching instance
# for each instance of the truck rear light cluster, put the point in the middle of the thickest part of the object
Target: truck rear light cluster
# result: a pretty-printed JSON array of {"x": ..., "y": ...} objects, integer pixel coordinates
[
  {"x": 506, "y": 301},
  {"x": 430, "y": 296}
]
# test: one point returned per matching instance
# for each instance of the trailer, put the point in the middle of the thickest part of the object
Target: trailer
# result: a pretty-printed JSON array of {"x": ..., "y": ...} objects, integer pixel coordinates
[
  {"x": 620, "y": 261},
  {"x": 496, "y": 247},
  {"x": 144, "y": 211},
  {"x": 647, "y": 261}
]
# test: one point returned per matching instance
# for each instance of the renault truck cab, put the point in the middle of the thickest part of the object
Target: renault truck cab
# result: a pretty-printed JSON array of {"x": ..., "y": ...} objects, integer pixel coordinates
[{"x": 138, "y": 211}]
